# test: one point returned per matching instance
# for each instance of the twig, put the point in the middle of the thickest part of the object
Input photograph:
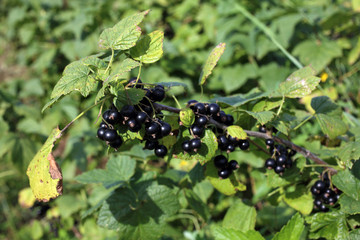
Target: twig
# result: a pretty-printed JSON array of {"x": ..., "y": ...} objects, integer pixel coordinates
[{"x": 306, "y": 153}]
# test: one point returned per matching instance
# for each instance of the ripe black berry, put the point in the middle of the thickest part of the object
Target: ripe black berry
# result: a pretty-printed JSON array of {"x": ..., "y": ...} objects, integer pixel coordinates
[
  {"x": 114, "y": 117},
  {"x": 233, "y": 165},
  {"x": 141, "y": 117},
  {"x": 220, "y": 161},
  {"x": 224, "y": 173},
  {"x": 222, "y": 117},
  {"x": 195, "y": 143},
  {"x": 269, "y": 142},
  {"x": 279, "y": 169},
  {"x": 191, "y": 103},
  {"x": 103, "y": 125},
  {"x": 116, "y": 143},
  {"x": 323, "y": 208},
  {"x": 128, "y": 111},
  {"x": 223, "y": 142},
  {"x": 201, "y": 120},
  {"x": 262, "y": 129},
  {"x": 318, "y": 202},
  {"x": 199, "y": 108},
  {"x": 315, "y": 191},
  {"x": 230, "y": 148},
  {"x": 165, "y": 129},
  {"x": 131, "y": 123},
  {"x": 291, "y": 153},
  {"x": 110, "y": 135},
  {"x": 213, "y": 109},
  {"x": 151, "y": 145},
  {"x": 160, "y": 151},
  {"x": 320, "y": 185},
  {"x": 270, "y": 163},
  {"x": 197, "y": 130},
  {"x": 157, "y": 95},
  {"x": 229, "y": 120},
  {"x": 281, "y": 160},
  {"x": 152, "y": 128},
  {"x": 232, "y": 140},
  {"x": 186, "y": 146},
  {"x": 101, "y": 133},
  {"x": 106, "y": 115},
  {"x": 244, "y": 144}
]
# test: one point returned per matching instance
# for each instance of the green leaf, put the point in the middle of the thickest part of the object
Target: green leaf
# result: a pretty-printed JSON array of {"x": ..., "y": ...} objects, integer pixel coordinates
[
  {"x": 262, "y": 117},
  {"x": 292, "y": 230},
  {"x": 239, "y": 99},
  {"x": 354, "y": 53},
  {"x": 266, "y": 105},
  {"x": 228, "y": 186},
  {"x": 173, "y": 84},
  {"x": 124, "y": 34},
  {"x": 349, "y": 205},
  {"x": 149, "y": 48},
  {"x": 211, "y": 62},
  {"x": 44, "y": 174},
  {"x": 350, "y": 151},
  {"x": 299, "y": 84},
  {"x": 206, "y": 152},
  {"x": 187, "y": 117},
  {"x": 119, "y": 169},
  {"x": 195, "y": 203},
  {"x": 329, "y": 116},
  {"x": 300, "y": 199},
  {"x": 76, "y": 77},
  {"x": 318, "y": 54},
  {"x": 236, "y": 131},
  {"x": 128, "y": 96},
  {"x": 221, "y": 233},
  {"x": 50, "y": 103},
  {"x": 141, "y": 214},
  {"x": 354, "y": 235},
  {"x": 348, "y": 183},
  {"x": 331, "y": 225},
  {"x": 245, "y": 217}
]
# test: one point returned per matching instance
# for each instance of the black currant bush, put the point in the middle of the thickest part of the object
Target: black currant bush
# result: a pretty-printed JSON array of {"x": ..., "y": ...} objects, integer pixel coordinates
[{"x": 213, "y": 166}]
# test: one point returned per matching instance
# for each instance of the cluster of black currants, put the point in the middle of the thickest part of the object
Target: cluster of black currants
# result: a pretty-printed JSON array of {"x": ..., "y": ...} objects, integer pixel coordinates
[
  {"x": 224, "y": 167},
  {"x": 280, "y": 157},
  {"x": 230, "y": 143},
  {"x": 324, "y": 195},
  {"x": 134, "y": 117}
]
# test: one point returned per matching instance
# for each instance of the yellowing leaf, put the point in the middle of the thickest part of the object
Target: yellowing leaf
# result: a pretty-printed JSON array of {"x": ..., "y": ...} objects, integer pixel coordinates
[
  {"x": 236, "y": 131},
  {"x": 44, "y": 174},
  {"x": 26, "y": 198},
  {"x": 149, "y": 48},
  {"x": 211, "y": 62}
]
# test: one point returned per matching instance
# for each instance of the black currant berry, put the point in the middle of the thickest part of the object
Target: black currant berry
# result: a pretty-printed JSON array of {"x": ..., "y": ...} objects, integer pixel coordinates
[
  {"x": 315, "y": 191},
  {"x": 222, "y": 117},
  {"x": 269, "y": 142},
  {"x": 229, "y": 120},
  {"x": 213, "y": 109},
  {"x": 281, "y": 160},
  {"x": 160, "y": 151},
  {"x": 201, "y": 121},
  {"x": 289, "y": 163},
  {"x": 224, "y": 173},
  {"x": 230, "y": 148},
  {"x": 279, "y": 169},
  {"x": 152, "y": 128},
  {"x": 291, "y": 153},
  {"x": 106, "y": 115},
  {"x": 191, "y": 103},
  {"x": 128, "y": 111},
  {"x": 138, "y": 84},
  {"x": 186, "y": 146},
  {"x": 262, "y": 129},
  {"x": 103, "y": 125},
  {"x": 220, "y": 161},
  {"x": 320, "y": 185},
  {"x": 233, "y": 165},
  {"x": 223, "y": 142},
  {"x": 270, "y": 163},
  {"x": 151, "y": 145},
  {"x": 323, "y": 208},
  {"x": 318, "y": 202},
  {"x": 195, "y": 143},
  {"x": 281, "y": 149},
  {"x": 135, "y": 128},
  {"x": 158, "y": 94},
  {"x": 165, "y": 129},
  {"x": 199, "y": 108},
  {"x": 197, "y": 130},
  {"x": 244, "y": 144},
  {"x": 110, "y": 135},
  {"x": 141, "y": 117},
  {"x": 101, "y": 133},
  {"x": 131, "y": 123},
  {"x": 232, "y": 140},
  {"x": 114, "y": 117},
  {"x": 116, "y": 143}
]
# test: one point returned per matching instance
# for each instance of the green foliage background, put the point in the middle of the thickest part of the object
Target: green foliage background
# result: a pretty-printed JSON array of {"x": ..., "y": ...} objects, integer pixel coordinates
[{"x": 39, "y": 38}]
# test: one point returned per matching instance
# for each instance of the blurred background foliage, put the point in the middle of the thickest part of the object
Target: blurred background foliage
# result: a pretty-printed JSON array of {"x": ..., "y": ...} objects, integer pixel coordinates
[{"x": 38, "y": 38}]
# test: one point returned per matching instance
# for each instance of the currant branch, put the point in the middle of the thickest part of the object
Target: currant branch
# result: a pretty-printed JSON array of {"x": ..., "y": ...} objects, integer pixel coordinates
[{"x": 305, "y": 152}]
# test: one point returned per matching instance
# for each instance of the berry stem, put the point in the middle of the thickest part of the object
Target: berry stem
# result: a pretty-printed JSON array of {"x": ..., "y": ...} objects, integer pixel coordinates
[{"x": 306, "y": 153}]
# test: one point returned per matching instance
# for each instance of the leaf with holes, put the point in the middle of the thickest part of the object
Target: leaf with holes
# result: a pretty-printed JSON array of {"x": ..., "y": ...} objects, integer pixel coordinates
[
  {"x": 187, "y": 117},
  {"x": 44, "y": 174}
]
